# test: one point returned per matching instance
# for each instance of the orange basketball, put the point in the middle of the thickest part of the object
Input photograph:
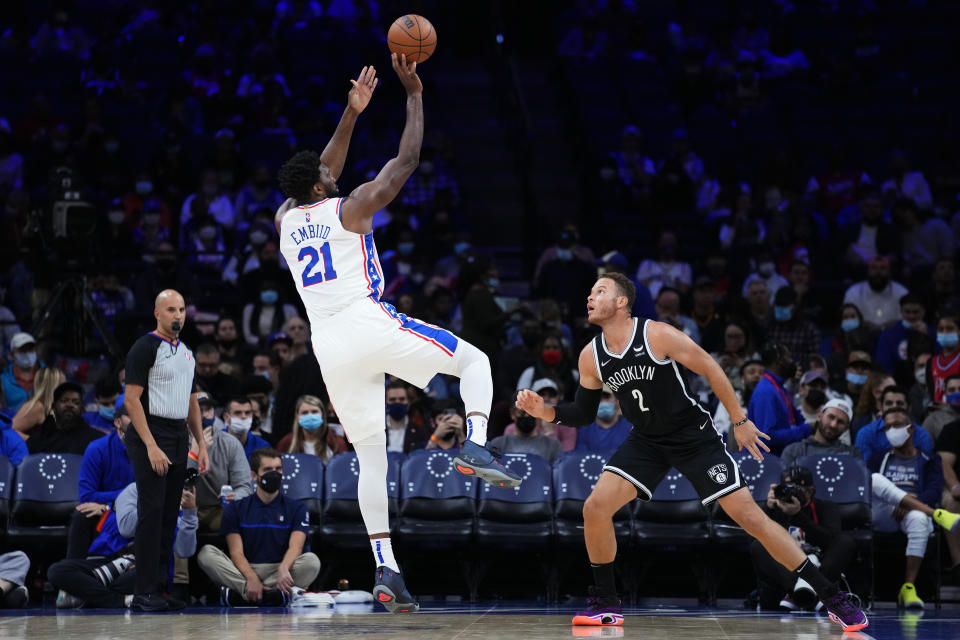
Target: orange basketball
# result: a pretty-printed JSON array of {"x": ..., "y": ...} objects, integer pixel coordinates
[{"x": 412, "y": 35}]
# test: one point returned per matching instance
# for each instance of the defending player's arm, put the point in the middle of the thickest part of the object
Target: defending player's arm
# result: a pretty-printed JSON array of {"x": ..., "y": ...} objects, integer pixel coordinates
[
  {"x": 335, "y": 153},
  {"x": 357, "y": 210},
  {"x": 583, "y": 410},
  {"x": 668, "y": 342}
]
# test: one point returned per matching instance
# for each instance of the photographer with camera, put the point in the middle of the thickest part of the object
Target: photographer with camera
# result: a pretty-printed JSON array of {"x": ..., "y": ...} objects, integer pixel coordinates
[
  {"x": 448, "y": 422},
  {"x": 815, "y": 525}
]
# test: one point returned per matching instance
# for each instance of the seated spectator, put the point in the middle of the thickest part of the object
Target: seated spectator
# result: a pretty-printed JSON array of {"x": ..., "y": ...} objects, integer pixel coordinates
[
  {"x": 815, "y": 524},
  {"x": 766, "y": 272},
  {"x": 705, "y": 314},
  {"x": 868, "y": 407},
  {"x": 735, "y": 349},
  {"x": 871, "y": 438},
  {"x": 924, "y": 238},
  {"x": 228, "y": 466},
  {"x": 38, "y": 408},
  {"x": 947, "y": 362},
  {"x": 239, "y": 419},
  {"x": 265, "y": 560},
  {"x": 226, "y": 337},
  {"x": 104, "y": 472},
  {"x": 208, "y": 412},
  {"x": 554, "y": 364},
  {"x": 518, "y": 358},
  {"x": 877, "y": 297},
  {"x": 919, "y": 396},
  {"x": 106, "y": 392},
  {"x": 11, "y": 444},
  {"x": 667, "y": 307},
  {"x": 831, "y": 423},
  {"x": 791, "y": 329},
  {"x": 311, "y": 432},
  {"x": 403, "y": 434},
  {"x": 949, "y": 412},
  {"x": 65, "y": 431},
  {"x": 812, "y": 395},
  {"x": 759, "y": 309},
  {"x": 750, "y": 374},
  {"x": 265, "y": 316},
  {"x": 14, "y": 566},
  {"x": 948, "y": 447},
  {"x": 891, "y": 353},
  {"x": 281, "y": 345},
  {"x": 616, "y": 262},
  {"x": 608, "y": 431},
  {"x": 567, "y": 436},
  {"x": 448, "y": 424},
  {"x": 105, "y": 576},
  {"x": 907, "y": 484},
  {"x": 567, "y": 248},
  {"x": 771, "y": 407},
  {"x": 869, "y": 237},
  {"x": 260, "y": 391},
  {"x": 209, "y": 378},
  {"x": 18, "y": 378},
  {"x": 299, "y": 332},
  {"x": 666, "y": 270},
  {"x": 526, "y": 440}
]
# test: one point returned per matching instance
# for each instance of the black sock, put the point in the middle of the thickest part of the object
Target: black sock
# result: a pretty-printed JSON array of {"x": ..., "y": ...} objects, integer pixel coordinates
[
  {"x": 809, "y": 572},
  {"x": 604, "y": 578}
]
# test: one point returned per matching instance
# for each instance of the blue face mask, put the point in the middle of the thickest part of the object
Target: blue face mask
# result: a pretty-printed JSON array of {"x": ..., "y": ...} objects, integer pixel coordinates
[
  {"x": 107, "y": 413},
  {"x": 857, "y": 379},
  {"x": 397, "y": 410},
  {"x": 947, "y": 340},
  {"x": 311, "y": 421},
  {"x": 461, "y": 247},
  {"x": 953, "y": 399},
  {"x": 606, "y": 410},
  {"x": 269, "y": 296},
  {"x": 493, "y": 283},
  {"x": 207, "y": 422},
  {"x": 782, "y": 314},
  {"x": 404, "y": 248},
  {"x": 564, "y": 254},
  {"x": 849, "y": 325},
  {"x": 906, "y": 325}
]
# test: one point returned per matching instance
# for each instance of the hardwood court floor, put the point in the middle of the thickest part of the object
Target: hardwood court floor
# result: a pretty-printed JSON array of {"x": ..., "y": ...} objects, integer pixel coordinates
[{"x": 463, "y": 622}]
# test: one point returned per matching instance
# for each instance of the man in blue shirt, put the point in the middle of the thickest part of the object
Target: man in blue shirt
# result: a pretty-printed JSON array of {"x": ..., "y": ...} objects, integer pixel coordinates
[
  {"x": 106, "y": 392},
  {"x": 609, "y": 430},
  {"x": 871, "y": 437},
  {"x": 891, "y": 350},
  {"x": 104, "y": 472},
  {"x": 11, "y": 444},
  {"x": 266, "y": 533},
  {"x": 771, "y": 407},
  {"x": 239, "y": 418}
]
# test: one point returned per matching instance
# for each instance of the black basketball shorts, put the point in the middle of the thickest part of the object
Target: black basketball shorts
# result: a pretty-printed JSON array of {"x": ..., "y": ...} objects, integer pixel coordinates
[{"x": 698, "y": 453}]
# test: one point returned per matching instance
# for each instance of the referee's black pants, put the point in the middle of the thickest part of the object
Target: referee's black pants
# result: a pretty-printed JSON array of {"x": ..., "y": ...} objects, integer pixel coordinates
[{"x": 158, "y": 500}]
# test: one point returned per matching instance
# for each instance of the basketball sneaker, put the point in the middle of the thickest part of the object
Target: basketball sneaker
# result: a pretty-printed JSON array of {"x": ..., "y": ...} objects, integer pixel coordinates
[
  {"x": 68, "y": 601},
  {"x": 482, "y": 462},
  {"x": 844, "y": 609},
  {"x": 601, "y": 610},
  {"x": 908, "y": 597},
  {"x": 946, "y": 519},
  {"x": 303, "y": 598},
  {"x": 390, "y": 591}
]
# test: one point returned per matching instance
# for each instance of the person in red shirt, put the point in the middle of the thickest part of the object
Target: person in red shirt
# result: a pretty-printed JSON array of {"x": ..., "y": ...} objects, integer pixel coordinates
[{"x": 947, "y": 363}]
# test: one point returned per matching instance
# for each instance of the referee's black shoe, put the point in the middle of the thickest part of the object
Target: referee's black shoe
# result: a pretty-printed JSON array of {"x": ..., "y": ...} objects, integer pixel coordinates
[
  {"x": 174, "y": 604},
  {"x": 150, "y": 603}
]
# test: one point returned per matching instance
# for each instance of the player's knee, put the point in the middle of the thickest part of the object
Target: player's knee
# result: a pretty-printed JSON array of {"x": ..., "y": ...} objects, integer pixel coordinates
[{"x": 597, "y": 509}]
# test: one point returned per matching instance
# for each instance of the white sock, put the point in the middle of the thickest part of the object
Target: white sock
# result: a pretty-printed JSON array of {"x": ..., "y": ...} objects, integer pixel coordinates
[
  {"x": 127, "y": 600},
  {"x": 383, "y": 553},
  {"x": 477, "y": 429}
]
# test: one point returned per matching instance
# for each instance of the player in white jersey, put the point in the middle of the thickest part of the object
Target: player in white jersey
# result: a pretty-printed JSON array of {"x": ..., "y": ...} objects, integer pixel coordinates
[{"x": 328, "y": 242}]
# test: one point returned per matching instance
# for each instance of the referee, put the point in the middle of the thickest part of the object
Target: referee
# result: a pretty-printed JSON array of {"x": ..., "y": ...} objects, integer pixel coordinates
[{"x": 161, "y": 400}]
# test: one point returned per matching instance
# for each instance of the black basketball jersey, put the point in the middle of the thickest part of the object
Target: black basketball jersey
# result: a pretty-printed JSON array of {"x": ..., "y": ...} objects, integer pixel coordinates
[{"x": 652, "y": 393}]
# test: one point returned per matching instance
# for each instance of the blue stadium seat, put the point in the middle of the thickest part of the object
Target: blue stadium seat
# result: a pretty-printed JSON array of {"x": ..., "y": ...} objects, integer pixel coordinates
[
  {"x": 519, "y": 518},
  {"x": 437, "y": 503},
  {"x": 675, "y": 515},
  {"x": 758, "y": 476},
  {"x": 45, "y": 497},
  {"x": 342, "y": 525},
  {"x": 303, "y": 481},
  {"x": 6, "y": 490},
  {"x": 574, "y": 476},
  {"x": 846, "y": 481}
]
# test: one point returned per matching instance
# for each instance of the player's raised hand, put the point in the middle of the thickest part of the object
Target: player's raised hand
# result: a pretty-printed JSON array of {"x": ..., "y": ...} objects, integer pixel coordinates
[
  {"x": 747, "y": 435},
  {"x": 407, "y": 73},
  {"x": 530, "y": 402},
  {"x": 362, "y": 91}
]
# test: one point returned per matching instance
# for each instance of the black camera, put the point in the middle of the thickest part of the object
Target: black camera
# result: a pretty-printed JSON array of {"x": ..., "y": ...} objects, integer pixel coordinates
[
  {"x": 785, "y": 491},
  {"x": 190, "y": 479}
]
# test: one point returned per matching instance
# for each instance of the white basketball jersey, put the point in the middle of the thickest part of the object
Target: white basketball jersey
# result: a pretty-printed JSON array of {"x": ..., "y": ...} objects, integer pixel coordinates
[{"x": 331, "y": 266}]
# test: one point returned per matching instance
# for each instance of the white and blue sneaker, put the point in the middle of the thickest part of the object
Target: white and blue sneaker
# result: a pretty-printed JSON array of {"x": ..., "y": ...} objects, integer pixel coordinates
[{"x": 474, "y": 460}]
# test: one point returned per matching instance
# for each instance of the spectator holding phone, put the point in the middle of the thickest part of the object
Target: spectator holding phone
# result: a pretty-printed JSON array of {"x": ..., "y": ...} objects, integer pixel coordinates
[{"x": 448, "y": 426}]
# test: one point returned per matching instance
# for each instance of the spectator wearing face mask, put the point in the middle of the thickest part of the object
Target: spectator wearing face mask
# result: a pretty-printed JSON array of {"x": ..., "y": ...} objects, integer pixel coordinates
[
  {"x": 877, "y": 297},
  {"x": 790, "y": 328},
  {"x": 239, "y": 419},
  {"x": 18, "y": 377},
  {"x": 947, "y": 363},
  {"x": 104, "y": 472},
  {"x": 526, "y": 437},
  {"x": 209, "y": 198},
  {"x": 228, "y": 466},
  {"x": 65, "y": 430},
  {"x": 311, "y": 432},
  {"x": 106, "y": 392},
  {"x": 567, "y": 248},
  {"x": 949, "y": 412},
  {"x": 553, "y": 396},
  {"x": 248, "y": 259},
  {"x": 608, "y": 431},
  {"x": 403, "y": 434},
  {"x": 918, "y": 399},
  {"x": 891, "y": 353},
  {"x": 871, "y": 438},
  {"x": 267, "y": 315},
  {"x": 404, "y": 269},
  {"x": 749, "y": 375},
  {"x": 34, "y": 411},
  {"x": 666, "y": 270},
  {"x": 831, "y": 422},
  {"x": 812, "y": 395},
  {"x": 551, "y": 365},
  {"x": 220, "y": 386},
  {"x": 766, "y": 272}
]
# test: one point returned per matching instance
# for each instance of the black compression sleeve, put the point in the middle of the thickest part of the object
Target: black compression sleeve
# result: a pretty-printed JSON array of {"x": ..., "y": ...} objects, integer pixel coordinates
[{"x": 582, "y": 411}]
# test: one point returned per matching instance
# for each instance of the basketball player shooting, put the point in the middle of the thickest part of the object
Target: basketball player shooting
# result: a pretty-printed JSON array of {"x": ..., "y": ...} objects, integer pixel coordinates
[
  {"x": 328, "y": 242},
  {"x": 638, "y": 360}
]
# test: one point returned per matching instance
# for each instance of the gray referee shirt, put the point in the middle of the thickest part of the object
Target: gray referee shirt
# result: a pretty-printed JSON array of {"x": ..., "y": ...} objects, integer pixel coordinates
[{"x": 165, "y": 370}]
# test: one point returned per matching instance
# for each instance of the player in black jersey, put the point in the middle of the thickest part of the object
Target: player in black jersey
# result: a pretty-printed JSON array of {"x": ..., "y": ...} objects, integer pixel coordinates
[{"x": 638, "y": 359}]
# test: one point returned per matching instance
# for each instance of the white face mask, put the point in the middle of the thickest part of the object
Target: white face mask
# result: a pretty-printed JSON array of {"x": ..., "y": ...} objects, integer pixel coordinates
[
  {"x": 921, "y": 376},
  {"x": 898, "y": 436},
  {"x": 240, "y": 425}
]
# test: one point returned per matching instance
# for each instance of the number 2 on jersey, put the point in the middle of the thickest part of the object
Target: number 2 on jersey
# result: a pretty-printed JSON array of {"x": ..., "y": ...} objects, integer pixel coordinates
[
  {"x": 328, "y": 271},
  {"x": 639, "y": 397}
]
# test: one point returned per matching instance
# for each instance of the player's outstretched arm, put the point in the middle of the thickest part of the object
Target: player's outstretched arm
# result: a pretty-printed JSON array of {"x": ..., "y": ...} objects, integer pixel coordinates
[
  {"x": 668, "y": 342},
  {"x": 357, "y": 210},
  {"x": 583, "y": 410},
  {"x": 335, "y": 153}
]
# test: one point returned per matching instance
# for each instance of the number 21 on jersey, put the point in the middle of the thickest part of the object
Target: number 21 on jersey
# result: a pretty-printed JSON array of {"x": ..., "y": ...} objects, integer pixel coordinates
[
  {"x": 312, "y": 276},
  {"x": 639, "y": 396}
]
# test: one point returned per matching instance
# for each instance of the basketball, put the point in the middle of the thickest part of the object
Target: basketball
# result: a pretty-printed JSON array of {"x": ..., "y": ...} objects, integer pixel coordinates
[{"x": 414, "y": 36}]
